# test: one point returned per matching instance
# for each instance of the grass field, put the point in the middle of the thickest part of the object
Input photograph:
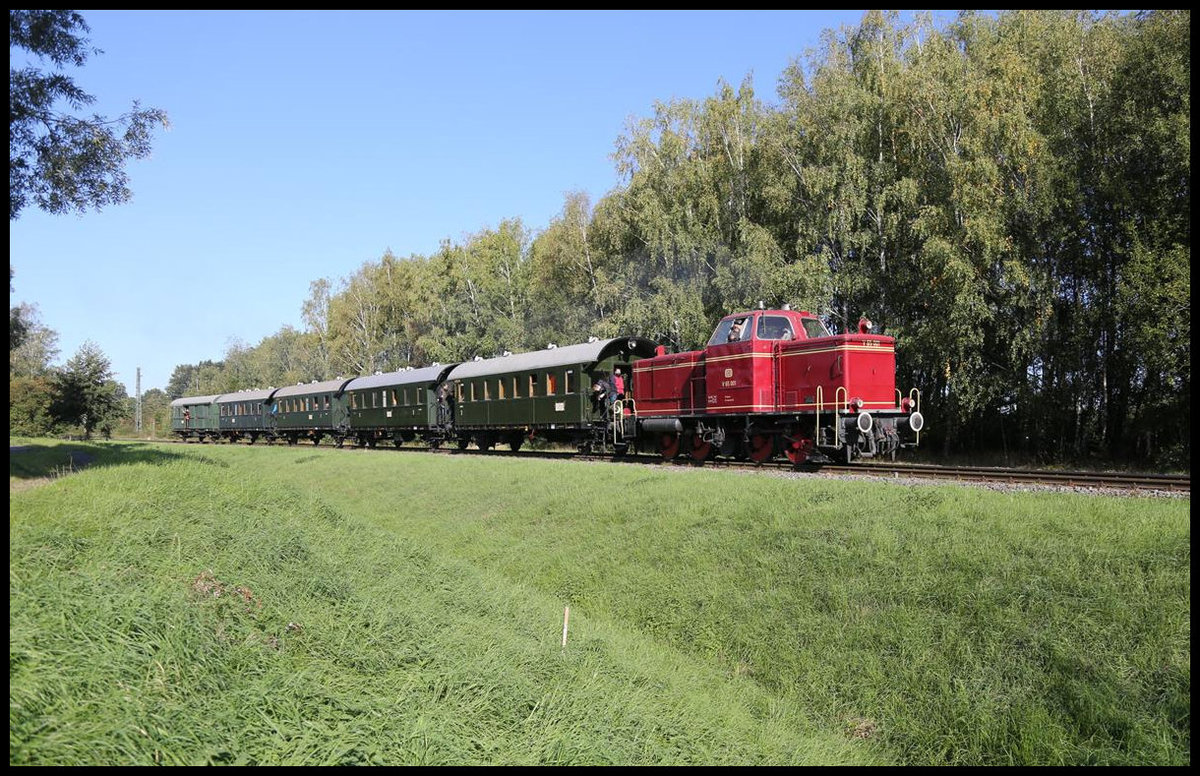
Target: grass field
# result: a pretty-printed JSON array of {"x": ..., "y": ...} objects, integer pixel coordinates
[{"x": 293, "y": 605}]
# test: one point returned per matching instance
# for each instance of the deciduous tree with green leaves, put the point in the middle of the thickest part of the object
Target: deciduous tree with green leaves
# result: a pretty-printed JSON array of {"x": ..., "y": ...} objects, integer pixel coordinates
[
  {"x": 59, "y": 161},
  {"x": 85, "y": 393}
]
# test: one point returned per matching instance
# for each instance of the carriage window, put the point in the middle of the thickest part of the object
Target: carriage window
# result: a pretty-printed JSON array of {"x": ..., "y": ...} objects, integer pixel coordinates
[
  {"x": 353, "y": 401},
  {"x": 487, "y": 394},
  {"x": 394, "y": 402},
  {"x": 458, "y": 388},
  {"x": 551, "y": 383},
  {"x": 326, "y": 401},
  {"x": 570, "y": 383},
  {"x": 500, "y": 389},
  {"x": 516, "y": 393},
  {"x": 532, "y": 386},
  {"x": 774, "y": 327},
  {"x": 472, "y": 391}
]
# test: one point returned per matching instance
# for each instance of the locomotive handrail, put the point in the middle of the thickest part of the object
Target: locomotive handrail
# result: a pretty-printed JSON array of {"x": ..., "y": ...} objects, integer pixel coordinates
[
  {"x": 820, "y": 403},
  {"x": 837, "y": 426},
  {"x": 617, "y": 421}
]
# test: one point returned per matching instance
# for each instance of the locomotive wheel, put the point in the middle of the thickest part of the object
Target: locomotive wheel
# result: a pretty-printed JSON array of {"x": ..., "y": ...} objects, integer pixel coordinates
[
  {"x": 668, "y": 446},
  {"x": 762, "y": 447},
  {"x": 701, "y": 450}
]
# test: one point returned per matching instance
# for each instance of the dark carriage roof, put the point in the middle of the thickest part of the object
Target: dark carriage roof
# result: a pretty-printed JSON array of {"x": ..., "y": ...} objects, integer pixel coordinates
[
  {"x": 190, "y": 400},
  {"x": 426, "y": 374},
  {"x": 304, "y": 389},
  {"x": 254, "y": 395},
  {"x": 567, "y": 355}
]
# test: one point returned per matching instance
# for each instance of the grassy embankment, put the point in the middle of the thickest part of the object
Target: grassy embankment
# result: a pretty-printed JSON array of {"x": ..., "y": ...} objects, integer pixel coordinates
[{"x": 342, "y": 606}]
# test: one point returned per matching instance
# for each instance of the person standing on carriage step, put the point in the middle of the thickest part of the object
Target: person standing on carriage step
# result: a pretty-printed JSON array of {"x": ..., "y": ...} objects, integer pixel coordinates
[{"x": 618, "y": 384}]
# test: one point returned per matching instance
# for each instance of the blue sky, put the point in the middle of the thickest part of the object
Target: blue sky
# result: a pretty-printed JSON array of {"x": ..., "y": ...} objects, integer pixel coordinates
[{"x": 303, "y": 144}]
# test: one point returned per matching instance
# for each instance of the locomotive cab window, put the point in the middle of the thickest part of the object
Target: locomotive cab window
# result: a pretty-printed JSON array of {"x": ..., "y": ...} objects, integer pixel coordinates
[
  {"x": 814, "y": 328},
  {"x": 775, "y": 327},
  {"x": 732, "y": 330}
]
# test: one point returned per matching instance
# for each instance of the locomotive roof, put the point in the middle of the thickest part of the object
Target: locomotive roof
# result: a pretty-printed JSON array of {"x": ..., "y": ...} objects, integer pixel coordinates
[
  {"x": 584, "y": 353},
  {"x": 426, "y": 374},
  {"x": 303, "y": 389},
  {"x": 245, "y": 395},
  {"x": 189, "y": 400}
]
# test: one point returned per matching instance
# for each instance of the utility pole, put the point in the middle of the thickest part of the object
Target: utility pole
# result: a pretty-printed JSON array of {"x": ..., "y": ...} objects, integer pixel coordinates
[{"x": 137, "y": 414}]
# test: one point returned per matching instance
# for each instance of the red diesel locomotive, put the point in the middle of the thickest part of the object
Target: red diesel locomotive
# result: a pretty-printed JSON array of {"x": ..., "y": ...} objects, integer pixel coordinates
[{"x": 776, "y": 382}]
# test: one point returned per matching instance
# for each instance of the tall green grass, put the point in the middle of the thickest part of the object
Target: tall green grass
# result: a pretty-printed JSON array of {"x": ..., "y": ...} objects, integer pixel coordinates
[{"x": 396, "y": 607}]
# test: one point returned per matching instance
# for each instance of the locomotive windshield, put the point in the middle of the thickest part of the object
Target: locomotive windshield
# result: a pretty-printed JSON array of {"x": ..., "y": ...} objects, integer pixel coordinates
[
  {"x": 814, "y": 328},
  {"x": 731, "y": 330},
  {"x": 775, "y": 327}
]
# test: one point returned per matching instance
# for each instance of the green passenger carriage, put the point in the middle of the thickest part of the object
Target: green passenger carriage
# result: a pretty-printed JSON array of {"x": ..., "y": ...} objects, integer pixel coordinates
[
  {"x": 309, "y": 410},
  {"x": 547, "y": 393},
  {"x": 196, "y": 416},
  {"x": 242, "y": 414},
  {"x": 399, "y": 406}
]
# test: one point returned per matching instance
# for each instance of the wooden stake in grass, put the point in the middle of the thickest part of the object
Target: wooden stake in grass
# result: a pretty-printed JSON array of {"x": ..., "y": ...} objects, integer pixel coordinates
[{"x": 566, "y": 616}]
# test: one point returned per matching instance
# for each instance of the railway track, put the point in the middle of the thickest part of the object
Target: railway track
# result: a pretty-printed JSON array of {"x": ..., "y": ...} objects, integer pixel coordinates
[{"x": 1118, "y": 481}]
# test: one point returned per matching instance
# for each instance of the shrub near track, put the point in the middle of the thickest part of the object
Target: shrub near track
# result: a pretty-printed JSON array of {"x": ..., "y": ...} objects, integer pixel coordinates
[{"x": 917, "y": 624}]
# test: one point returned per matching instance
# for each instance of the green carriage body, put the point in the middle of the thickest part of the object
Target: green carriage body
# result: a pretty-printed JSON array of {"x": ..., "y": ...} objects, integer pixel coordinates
[
  {"x": 547, "y": 392},
  {"x": 243, "y": 413},
  {"x": 196, "y": 416},
  {"x": 311, "y": 410},
  {"x": 399, "y": 405}
]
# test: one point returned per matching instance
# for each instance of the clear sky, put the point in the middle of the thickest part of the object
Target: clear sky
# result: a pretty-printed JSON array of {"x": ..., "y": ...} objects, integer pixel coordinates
[{"x": 303, "y": 144}]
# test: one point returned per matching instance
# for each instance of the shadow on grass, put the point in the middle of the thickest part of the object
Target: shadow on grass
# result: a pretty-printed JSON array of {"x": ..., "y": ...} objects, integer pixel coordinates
[{"x": 41, "y": 460}]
